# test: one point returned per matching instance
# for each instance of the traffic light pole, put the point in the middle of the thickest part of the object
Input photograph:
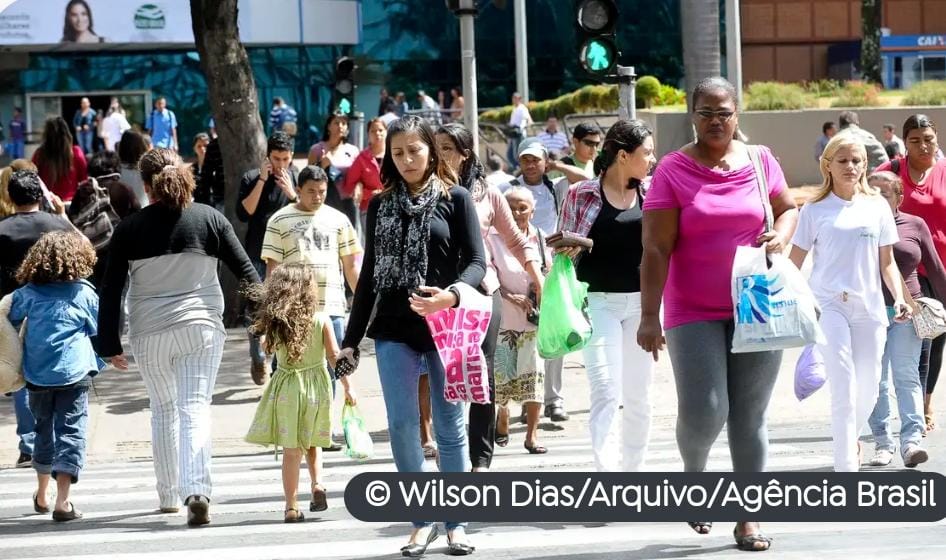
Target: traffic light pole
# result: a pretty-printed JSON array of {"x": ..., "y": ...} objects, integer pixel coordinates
[
  {"x": 627, "y": 82},
  {"x": 466, "y": 12}
]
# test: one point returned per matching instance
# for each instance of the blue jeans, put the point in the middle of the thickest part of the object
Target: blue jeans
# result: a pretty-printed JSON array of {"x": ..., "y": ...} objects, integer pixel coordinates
[
  {"x": 17, "y": 149},
  {"x": 399, "y": 367},
  {"x": 85, "y": 141},
  {"x": 901, "y": 360},
  {"x": 61, "y": 416},
  {"x": 257, "y": 355},
  {"x": 25, "y": 425}
]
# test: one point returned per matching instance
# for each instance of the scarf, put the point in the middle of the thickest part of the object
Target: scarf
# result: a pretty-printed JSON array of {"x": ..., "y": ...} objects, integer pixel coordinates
[{"x": 402, "y": 236}]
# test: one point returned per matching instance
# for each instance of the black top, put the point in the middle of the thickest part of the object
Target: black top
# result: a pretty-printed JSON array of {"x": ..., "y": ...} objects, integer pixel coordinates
[
  {"x": 614, "y": 263},
  {"x": 156, "y": 231},
  {"x": 209, "y": 178},
  {"x": 271, "y": 200},
  {"x": 18, "y": 232},
  {"x": 455, "y": 255}
]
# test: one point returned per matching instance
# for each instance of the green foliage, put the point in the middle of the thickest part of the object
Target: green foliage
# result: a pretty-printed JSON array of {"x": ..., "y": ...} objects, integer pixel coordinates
[
  {"x": 670, "y": 95},
  {"x": 648, "y": 89},
  {"x": 589, "y": 99},
  {"x": 776, "y": 96},
  {"x": 823, "y": 88},
  {"x": 930, "y": 92},
  {"x": 858, "y": 94}
]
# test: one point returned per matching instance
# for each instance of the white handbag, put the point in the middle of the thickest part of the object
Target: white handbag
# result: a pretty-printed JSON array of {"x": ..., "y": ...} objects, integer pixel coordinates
[
  {"x": 11, "y": 351},
  {"x": 930, "y": 320}
]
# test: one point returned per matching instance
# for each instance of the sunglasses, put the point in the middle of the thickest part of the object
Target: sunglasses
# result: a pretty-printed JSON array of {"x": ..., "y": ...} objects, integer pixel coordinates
[
  {"x": 724, "y": 116},
  {"x": 591, "y": 143}
]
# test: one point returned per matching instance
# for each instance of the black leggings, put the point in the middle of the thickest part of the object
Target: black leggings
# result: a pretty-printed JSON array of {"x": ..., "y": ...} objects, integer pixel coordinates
[
  {"x": 931, "y": 356},
  {"x": 483, "y": 416}
]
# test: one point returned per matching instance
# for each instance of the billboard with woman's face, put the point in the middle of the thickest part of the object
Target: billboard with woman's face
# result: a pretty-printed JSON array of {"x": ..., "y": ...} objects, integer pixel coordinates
[{"x": 83, "y": 24}]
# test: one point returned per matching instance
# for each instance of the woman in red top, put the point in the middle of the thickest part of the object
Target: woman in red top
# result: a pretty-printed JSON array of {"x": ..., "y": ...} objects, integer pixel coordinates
[
  {"x": 61, "y": 165},
  {"x": 363, "y": 179},
  {"x": 924, "y": 195}
]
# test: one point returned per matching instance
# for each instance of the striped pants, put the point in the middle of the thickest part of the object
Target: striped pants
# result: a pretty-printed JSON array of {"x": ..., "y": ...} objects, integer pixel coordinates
[{"x": 179, "y": 368}]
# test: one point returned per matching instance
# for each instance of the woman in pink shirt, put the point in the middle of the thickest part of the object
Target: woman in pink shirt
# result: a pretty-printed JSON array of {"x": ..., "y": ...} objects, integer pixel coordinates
[
  {"x": 455, "y": 144},
  {"x": 363, "y": 179},
  {"x": 703, "y": 203},
  {"x": 61, "y": 165},
  {"x": 924, "y": 195}
]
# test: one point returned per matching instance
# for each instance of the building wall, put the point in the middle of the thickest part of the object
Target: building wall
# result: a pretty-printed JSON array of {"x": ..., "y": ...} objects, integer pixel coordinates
[{"x": 788, "y": 40}]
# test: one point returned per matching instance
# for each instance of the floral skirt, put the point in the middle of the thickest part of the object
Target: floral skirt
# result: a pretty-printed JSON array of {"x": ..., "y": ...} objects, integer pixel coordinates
[
  {"x": 295, "y": 410},
  {"x": 520, "y": 373}
]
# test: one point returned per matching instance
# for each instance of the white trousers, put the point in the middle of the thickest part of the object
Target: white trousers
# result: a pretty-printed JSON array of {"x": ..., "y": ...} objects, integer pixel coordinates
[
  {"x": 619, "y": 372},
  {"x": 179, "y": 368},
  {"x": 852, "y": 359}
]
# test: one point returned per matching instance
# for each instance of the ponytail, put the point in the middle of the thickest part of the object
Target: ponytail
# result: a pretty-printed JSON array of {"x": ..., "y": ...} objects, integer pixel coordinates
[{"x": 169, "y": 182}]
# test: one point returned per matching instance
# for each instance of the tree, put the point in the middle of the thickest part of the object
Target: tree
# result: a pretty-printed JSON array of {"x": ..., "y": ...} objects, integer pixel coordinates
[
  {"x": 871, "y": 11},
  {"x": 233, "y": 102},
  {"x": 701, "y": 57}
]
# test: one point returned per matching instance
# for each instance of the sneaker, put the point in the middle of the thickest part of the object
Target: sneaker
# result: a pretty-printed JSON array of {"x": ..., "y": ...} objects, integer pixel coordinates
[
  {"x": 198, "y": 510},
  {"x": 260, "y": 373},
  {"x": 913, "y": 455},
  {"x": 882, "y": 458},
  {"x": 24, "y": 461}
]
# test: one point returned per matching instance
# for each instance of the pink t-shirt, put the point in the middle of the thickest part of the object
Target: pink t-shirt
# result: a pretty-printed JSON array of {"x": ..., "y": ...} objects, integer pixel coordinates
[{"x": 719, "y": 210}]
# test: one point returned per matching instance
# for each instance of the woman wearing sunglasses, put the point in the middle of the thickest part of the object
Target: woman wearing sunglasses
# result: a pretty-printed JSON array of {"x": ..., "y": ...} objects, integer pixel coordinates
[{"x": 704, "y": 201}]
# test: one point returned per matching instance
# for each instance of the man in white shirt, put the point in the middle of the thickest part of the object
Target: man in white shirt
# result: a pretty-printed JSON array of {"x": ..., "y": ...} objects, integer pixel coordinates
[
  {"x": 430, "y": 107},
  {"x": 519, "y": 123},
  {"x": 114, "y": 125},
  {"x": 896, "y": 144}
]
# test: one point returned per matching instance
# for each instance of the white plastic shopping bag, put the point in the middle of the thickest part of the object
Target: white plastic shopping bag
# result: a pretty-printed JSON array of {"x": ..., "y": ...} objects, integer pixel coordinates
[{"x": 773, "y": 306}]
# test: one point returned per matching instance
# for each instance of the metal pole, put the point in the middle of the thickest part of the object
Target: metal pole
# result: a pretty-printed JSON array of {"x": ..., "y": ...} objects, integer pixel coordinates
[
  {"x": 522, "y": 54},
  {"x": 471, "y": 116},
  {"x": 627, "y": 84},
  {"x": 734, "y": 47}
]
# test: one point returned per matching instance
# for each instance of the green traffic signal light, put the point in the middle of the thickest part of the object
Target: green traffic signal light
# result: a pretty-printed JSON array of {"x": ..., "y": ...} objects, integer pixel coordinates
[
  {"x": 598, "y": 55},
  {"x": 344, "y": 106}
]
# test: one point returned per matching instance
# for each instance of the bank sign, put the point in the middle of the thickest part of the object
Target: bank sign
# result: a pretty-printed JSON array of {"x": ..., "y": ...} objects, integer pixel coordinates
[
  {"x": 108, "y": 24},
  {"x": 913, "y": 43}
]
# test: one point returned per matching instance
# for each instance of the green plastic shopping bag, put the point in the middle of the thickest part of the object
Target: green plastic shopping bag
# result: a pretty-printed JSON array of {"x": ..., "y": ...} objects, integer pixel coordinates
[
  {"x": 563, "y": 323},
  {"x": 358, "y": 444}
]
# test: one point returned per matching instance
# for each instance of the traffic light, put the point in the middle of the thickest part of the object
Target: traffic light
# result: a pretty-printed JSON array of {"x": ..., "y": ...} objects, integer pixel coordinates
[
  {"x": 344, "y": 98},
  {"x": 597, "y": 21}
]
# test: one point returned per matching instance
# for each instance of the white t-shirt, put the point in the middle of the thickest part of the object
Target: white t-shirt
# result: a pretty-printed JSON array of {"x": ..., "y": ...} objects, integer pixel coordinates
[
  {"x": 845, "y": 238},
  {"x": 114, "y": 126},
  {"x": 546, "y": 215},
  {"x": 520, "y": 116}
]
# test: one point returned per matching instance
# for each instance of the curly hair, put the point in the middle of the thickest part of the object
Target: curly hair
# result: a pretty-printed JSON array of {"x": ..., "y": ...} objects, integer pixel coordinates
[
  {"x": 58, "y": 256},
  {"x": 285, "y": 305}
]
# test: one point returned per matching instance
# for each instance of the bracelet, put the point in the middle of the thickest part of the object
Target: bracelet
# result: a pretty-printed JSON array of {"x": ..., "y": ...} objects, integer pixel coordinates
[{"x": 456, "y": 293}]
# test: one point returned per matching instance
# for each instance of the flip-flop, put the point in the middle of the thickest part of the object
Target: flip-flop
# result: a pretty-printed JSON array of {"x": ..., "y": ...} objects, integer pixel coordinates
[
  {"x": 502, "y": 440},
  {"x": 319, "y": 499},
  {"x": 536, "y": 449},
  {"x": 38, "y": 508},
  {"x": 701, "y": 527},
  {"x": 748, "y": 542},
  {"x": 73, "y": 513}
]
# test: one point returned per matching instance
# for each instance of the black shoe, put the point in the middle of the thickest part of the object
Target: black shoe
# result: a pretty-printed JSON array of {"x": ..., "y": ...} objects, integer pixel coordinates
[
  {"x": 198, "y": 510},
  {"x": 333, "y": 447},
  {"x": 556, "y": 413},
  {"x": 24, "y": 461}
]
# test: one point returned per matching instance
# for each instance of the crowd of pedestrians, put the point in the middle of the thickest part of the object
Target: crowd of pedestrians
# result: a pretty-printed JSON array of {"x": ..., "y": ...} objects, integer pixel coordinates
[{"x": 369, "y": 243}]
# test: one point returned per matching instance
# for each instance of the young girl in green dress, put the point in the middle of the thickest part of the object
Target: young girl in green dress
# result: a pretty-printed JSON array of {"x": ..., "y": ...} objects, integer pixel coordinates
[{"x": 295, "y": 410}]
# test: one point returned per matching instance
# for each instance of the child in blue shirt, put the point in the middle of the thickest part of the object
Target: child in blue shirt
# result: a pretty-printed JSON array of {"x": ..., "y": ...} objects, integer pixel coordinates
[{"x": 60, "y": 309}]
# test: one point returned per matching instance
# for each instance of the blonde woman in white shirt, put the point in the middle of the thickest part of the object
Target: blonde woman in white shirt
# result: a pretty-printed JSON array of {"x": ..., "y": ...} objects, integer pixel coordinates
[{"x": 851, "y": 232}]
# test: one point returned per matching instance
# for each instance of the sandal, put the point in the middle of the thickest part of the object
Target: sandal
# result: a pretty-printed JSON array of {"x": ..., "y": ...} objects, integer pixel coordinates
[
  {"x": 38, "y": 508},
  {"x": 459, "y": 548},
  {"x": 73, "y": 513},
  {"x": 430, "y": 451},
  {"x": 319, "y": 499},
  {"x": 701, "y": 527},
  {"x": 502, "y": 440},
  {"x": 748, "y": 542},
  {"x": 292, "y": 515},
  {"x": 535, "y": 449}
]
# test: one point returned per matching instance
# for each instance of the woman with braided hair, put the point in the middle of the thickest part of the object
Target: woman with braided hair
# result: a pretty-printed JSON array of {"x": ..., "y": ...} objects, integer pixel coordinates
[{"x": 171, "y": 249}]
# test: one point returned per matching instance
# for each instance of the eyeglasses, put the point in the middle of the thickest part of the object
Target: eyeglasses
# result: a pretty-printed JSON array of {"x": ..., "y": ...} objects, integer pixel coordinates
[
  {"x": 591, "y": 143},
  {"x": 724, "y": 116}
]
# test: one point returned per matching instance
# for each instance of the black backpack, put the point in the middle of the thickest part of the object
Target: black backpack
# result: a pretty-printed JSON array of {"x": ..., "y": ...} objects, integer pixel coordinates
[{"x": 97, "y": 219}]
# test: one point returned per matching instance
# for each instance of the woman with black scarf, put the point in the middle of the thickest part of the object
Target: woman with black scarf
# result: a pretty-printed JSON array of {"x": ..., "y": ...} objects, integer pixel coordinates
[{"x": 422, "y": 237}]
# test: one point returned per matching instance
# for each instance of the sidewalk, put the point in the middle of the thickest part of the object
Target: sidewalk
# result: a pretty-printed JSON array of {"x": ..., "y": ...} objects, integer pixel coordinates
[{"x": 119, "y": 419}]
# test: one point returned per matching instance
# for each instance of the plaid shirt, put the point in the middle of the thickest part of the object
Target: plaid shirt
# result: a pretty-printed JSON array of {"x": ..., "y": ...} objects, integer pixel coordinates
[{"x": 581, "y": 207}]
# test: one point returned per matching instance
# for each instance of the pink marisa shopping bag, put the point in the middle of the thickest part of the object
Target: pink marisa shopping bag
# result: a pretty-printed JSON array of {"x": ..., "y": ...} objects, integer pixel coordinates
[
  {"x": 809, "y": 372},
  {"x": 458, "y": 334}
]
